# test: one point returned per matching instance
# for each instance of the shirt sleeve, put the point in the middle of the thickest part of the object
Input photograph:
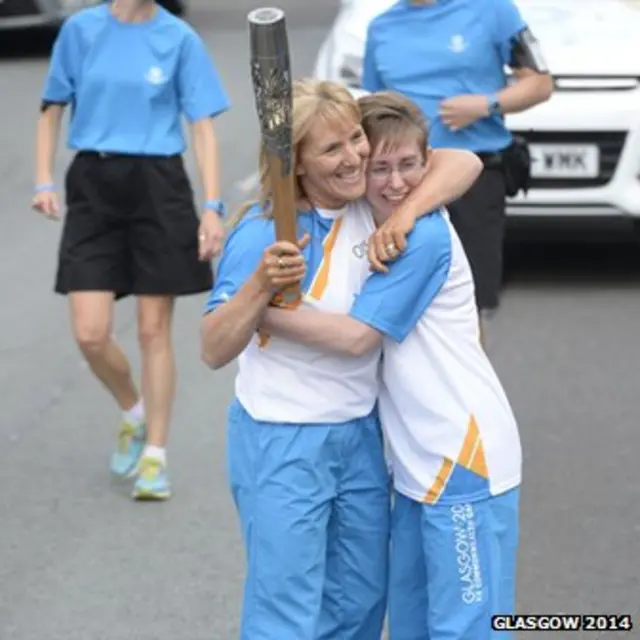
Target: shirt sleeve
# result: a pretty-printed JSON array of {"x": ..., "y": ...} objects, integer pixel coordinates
[
  {"x": 508, "y": 22},
  {"x": 60, "y": 82},
  {"x": 240, "y": 257},
  {"x": 200, "y": 88},
  {"x": 371, "y": 80},
  {"x": 394, "y": 302}
]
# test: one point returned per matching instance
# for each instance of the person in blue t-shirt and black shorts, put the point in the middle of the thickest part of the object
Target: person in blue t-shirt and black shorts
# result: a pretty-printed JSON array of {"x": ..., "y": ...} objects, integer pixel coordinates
[
  {"x": 130, "y": 70},
  {"x": 449, "y": 56}
]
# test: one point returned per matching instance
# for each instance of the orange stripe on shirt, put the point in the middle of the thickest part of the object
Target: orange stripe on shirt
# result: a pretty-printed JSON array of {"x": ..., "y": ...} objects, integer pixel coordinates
[
  {"x": 321, "y": 279},
  {"x": 479, "y": 464},
  {"x": 319, "y": 284},
  {"x": 436, "y": 489},
  {"x": 471, "y": 457},
  {"x": 472, "y": 453},
  {"x": 469, "y": 445}
]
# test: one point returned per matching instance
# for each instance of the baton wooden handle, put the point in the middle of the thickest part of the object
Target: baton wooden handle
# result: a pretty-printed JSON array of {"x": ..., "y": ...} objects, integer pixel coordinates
[{"x": 272, "y": 87}]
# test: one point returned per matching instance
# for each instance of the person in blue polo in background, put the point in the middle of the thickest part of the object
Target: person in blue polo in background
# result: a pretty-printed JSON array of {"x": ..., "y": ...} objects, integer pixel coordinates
[
  {"x": 130, "y": 71},
  {"x": 449, "y": 56}
]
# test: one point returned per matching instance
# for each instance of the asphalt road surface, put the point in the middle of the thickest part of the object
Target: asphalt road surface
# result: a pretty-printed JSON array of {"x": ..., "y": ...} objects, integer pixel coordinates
[{"x": 80, "y": 561}]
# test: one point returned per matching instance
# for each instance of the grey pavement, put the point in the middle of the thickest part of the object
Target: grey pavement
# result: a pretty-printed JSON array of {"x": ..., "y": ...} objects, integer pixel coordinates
[{"x": 80, "y": 561}]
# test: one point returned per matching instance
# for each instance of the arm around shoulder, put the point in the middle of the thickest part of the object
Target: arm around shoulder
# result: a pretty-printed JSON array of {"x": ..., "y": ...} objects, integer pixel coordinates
[
  {"x": 413, "y": 281},
  {"x": 450, "y": 174}
]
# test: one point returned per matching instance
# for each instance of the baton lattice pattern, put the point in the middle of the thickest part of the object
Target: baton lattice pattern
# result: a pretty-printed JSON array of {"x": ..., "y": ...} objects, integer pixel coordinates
[{"x": 273, "y": 93}]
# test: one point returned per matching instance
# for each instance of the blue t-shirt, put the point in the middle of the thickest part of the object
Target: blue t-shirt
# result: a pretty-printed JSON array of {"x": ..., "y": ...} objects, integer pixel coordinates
[
  {"x": 449, "y": 48},
  {"x": 130, "y": 83},
  {"x": 394, "y": 302}
]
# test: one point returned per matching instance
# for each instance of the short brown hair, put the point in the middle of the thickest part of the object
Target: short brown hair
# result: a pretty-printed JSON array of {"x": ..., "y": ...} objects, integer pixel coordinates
[{"x": 390, "y": 119}]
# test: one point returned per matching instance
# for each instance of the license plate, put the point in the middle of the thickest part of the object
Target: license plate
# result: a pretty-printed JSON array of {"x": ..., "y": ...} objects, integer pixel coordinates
[{"x": 564, "y": 161}]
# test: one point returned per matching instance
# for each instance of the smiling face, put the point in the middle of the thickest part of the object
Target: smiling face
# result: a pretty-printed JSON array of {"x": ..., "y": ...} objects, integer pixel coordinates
[
  {"x": 332, "y": 162},
  {"x": 394, "y": 172},
  {"x": 329, "y": 149},
  {"x": 398, "y": 134}
]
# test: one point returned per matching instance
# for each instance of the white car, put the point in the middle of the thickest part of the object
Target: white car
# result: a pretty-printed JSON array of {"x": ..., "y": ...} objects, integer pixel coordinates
[{"x": 585, "y": 141}]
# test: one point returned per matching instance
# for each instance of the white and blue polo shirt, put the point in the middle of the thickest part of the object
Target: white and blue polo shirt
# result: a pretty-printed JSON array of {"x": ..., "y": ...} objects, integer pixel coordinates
[{"x": 451, "y": 432}]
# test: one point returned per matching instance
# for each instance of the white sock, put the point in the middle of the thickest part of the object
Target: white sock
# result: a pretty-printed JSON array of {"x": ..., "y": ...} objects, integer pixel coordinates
[
  {"x": 157, "y": 453},
  {"x": 135, "y": 415}
]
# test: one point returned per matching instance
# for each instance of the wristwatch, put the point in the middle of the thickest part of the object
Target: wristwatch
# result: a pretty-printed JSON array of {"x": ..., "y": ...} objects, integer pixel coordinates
[
  {"x": 494, "y": 104},
  {"x": 217, "y": 206}
]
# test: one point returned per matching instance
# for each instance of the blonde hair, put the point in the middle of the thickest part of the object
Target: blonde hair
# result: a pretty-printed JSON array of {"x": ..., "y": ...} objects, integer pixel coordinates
[
  {"x": 312, "y": 100},
  {"x": 390, "y": 119}
]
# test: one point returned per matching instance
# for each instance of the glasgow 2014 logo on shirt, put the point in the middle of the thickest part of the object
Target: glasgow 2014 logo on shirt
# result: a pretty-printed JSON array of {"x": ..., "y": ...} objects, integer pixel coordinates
[
  {"x": 457, "y": 44},
  {"x": 155, "y": 75}
]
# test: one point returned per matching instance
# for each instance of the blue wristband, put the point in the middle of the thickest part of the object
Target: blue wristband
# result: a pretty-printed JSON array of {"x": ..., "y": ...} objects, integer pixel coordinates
[
  {"x": 215, "y": 205},
  {"x": 45, "y": 187}
]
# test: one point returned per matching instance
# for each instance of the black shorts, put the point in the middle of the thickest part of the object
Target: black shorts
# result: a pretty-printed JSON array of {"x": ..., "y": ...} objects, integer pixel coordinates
[
  {"x": 131, "y": 228},
  {"x": 480, "y": 220}
]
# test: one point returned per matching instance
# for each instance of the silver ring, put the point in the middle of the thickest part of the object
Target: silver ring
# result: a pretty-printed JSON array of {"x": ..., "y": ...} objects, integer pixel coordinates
[
  {"x": 391, "y": 248},
  {"x": 281, "y": 264}
]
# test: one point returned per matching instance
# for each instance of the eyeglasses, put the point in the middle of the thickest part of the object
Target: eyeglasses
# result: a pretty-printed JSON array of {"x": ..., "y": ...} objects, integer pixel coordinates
[{"x": 406, "y": 169}]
